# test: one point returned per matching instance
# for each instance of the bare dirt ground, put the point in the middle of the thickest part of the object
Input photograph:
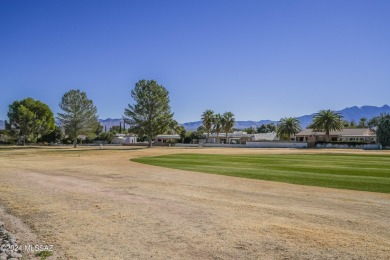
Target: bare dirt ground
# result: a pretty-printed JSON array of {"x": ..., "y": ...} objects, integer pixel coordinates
[{"x": 96, "y": 204}]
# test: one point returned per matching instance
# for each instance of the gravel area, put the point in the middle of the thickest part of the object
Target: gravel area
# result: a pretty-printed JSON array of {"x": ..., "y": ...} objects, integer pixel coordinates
[{"x": 9, "y": 249}]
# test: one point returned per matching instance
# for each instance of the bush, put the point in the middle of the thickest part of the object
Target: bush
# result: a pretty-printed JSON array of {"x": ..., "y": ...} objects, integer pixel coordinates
[{"x": 172, "y": 142}]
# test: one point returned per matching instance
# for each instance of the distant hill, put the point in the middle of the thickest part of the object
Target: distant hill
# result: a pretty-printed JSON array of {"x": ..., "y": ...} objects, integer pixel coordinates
[
  {"x": 352, "y": 114},
  {"x": 191, "y": 126},
  {"x": 349, "y": 113},
  {"x": 109, "y": 122}
]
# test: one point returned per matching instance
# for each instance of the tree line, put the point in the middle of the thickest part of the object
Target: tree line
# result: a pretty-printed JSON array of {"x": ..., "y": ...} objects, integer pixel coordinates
[
  {"x": 323, "y": 121},
  {"x": 31, "y": 120}
]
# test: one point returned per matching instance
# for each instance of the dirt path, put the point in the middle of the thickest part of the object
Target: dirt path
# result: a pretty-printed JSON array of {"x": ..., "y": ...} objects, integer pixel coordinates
[{"x": 99, "y": 205}]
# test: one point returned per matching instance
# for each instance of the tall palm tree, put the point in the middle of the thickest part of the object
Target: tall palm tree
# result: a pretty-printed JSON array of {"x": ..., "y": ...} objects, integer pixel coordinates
[
  {"x": 287, "y": 127},
  {"x": 228, "y": 122},
  {"x": 327, "y": 120},
  {"x": 217, "y": 125},
  {"x": 207, "y": 121}
]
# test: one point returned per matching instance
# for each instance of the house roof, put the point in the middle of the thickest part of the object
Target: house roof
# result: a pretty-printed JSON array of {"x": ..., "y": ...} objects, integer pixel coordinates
[
  {"x": 344, "y": 132},
  {"x": 265, "y": 137},
  {"x": 168, "y": 136},
  {"x": 230, "y": 135},
  {"x": 124, "y": 135}
]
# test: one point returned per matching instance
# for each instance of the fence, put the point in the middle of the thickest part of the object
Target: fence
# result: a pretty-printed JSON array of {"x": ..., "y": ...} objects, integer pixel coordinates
[{"x": 276, "y": 145}]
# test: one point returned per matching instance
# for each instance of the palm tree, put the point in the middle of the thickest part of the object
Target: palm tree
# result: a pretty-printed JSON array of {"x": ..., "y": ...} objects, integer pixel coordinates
[
  {"x": 207, "y": 121},
  {"x": 228, "y": 122},
  {"x": 217, "y": 125},
  {"x": 362, "y": 123},
  {"x": 327, "y": 120},
  {"x": 287, "y": 127}
]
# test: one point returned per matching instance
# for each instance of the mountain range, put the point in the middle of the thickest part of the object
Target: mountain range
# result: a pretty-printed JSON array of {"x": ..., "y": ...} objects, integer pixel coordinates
[{"x": 350, "y": 114}]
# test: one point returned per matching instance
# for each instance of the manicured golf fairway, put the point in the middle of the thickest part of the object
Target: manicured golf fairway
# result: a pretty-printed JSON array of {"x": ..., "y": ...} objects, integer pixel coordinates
[{"x": 343, "y": 171}]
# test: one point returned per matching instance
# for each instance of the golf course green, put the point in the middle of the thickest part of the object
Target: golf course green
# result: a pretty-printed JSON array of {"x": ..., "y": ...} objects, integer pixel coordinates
[{"x": 365, "y": 172}]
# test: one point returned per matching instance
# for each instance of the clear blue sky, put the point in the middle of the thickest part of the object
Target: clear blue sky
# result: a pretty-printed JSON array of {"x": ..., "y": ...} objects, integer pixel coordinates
[{"x": 258, "y": 59}]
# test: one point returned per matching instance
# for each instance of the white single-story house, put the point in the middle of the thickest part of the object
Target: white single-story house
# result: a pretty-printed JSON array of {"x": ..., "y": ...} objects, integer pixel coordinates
[
  {"x": 124, "y": 139},
  {"x": 82, "y": 137},
  {"x": 233, "y": 138},
  {"x": 240, "y": 137},
  {"x": 162, "y": 139},
  {"x": 346, "y": 135}
]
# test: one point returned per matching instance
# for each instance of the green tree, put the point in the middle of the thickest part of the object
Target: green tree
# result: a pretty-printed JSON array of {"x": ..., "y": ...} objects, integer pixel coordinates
[
  {"x": 344, "y": 122},
  {"x": 383, "y": 130},
  {"x": 79, "y": 115},
  {"x": 373, "y": 123},
  {"x": 201, "y": 129},
  {"x": 54, "y": 137},
  {"x": 99, "y": 130},
  {"x": 5, "y": 138},
  {"x": 362, "y": 123},
  {"x": 207, "y": 121},
  {"x": 287, "y": 127},
  {"x": 106, "y": 137},
  {"x": 195, "y": 136},
  {"x": 217, "y": 123},
  {"x": 151, "y": 114},
  {"x": 250, "y": 130},
  {"x": 327, "y": 121},
  {"x": 29, "y": 119},
  {"x": 115, "y": 129},
  {"x": 228, "y": 121},
  {"x": 173, "y": 128},
  {"x": 266, "y": 128},
  {"x": 180, "y": 130}
]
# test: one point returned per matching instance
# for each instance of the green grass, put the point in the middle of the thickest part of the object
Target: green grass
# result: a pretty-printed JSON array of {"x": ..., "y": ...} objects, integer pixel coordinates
[
  {"x": 343, "y": 171},
  {"x": 44, "y": 254}
]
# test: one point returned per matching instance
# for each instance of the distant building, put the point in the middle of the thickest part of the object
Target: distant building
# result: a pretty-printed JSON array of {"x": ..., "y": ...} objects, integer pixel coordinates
[
  {"x": 265, "y": 137},
  {"x": 346, "y": 135},
  {"x": 82, "y": 137},
  {"x": 162, "y": 139},
  {"x": 240, "y": 137},
  {"x": 124, "y": 139}
]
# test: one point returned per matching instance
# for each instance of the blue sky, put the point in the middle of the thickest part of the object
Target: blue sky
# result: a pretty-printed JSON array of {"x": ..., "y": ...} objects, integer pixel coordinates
[{"x": 258, "y": 59}]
